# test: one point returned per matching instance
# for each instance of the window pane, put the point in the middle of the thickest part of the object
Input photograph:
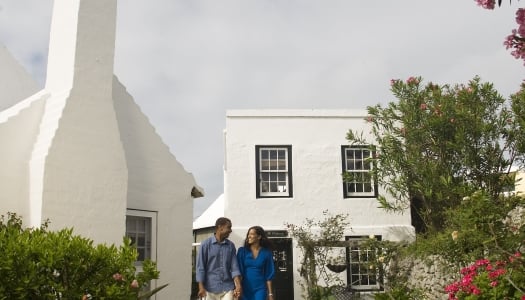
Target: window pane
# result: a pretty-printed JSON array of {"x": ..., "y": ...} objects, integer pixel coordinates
[
  {"x": 273, "y": 164},
  {"x": 264, "y": 154},
  {"x": 142, "y": 254},
  {"x": 264, "y": 187},
  {"x": 141, "y": 226},
  {"x": 281, "y": 176},
  {"x": 138, "y": 229},
  {"x": 367, "y": 165},
  {"x": 141, "y": 242}
]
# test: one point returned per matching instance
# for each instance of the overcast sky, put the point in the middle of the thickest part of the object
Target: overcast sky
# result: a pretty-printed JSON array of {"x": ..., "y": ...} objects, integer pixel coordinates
[{"x": 188, "y": 61}]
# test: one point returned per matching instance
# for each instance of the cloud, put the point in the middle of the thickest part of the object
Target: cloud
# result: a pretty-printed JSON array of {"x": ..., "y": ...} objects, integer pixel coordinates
[{"x": 187, "y": 61}]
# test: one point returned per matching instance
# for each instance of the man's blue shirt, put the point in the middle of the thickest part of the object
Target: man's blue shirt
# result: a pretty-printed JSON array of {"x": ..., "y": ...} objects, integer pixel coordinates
[{"x": 217, "y": 265}]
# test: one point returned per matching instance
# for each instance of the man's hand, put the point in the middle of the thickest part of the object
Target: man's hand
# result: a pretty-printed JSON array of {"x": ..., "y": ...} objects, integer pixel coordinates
[
  {"x": 202, "y": 293},
  {"x": 237, "y": 291}
]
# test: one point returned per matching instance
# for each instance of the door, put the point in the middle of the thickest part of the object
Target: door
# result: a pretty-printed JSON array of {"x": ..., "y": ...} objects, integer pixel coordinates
[{"x": 283, "y": 260}]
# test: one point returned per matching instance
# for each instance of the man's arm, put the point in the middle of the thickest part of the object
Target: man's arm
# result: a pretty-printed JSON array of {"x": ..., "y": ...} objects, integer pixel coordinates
[{"x": 200, "y": 269}]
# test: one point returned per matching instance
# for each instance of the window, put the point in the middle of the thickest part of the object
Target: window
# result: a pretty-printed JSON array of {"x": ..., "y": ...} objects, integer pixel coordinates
[
  {"x": 141, "y": 227},
  {"x": 365, "y": 273},
  {"x": 358, "y": 165},
  {"x": 274, "y": 171}
]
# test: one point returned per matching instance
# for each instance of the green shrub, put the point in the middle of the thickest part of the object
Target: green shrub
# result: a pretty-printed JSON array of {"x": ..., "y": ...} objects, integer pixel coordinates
[{"x": 41, "y": 264}]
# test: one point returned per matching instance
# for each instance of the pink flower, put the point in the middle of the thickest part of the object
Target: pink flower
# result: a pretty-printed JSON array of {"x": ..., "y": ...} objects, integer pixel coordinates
[
  {"x": 412, "y": 79},
  {"x": 493, "y": 283},
  {"x": 497, "y": 273},
  {"x": 134, "y": 284},
  {"x": 476, "y": 291},
  {"x": 117, "y": 276},
  {"x": 487, "y": 4},
  {"x": 423, "y": 106},
  {"x": 520, "y": 16}
]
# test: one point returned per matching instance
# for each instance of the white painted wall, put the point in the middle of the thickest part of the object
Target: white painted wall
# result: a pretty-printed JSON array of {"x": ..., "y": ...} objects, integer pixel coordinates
[
  {"x": 81, "y": 153},
  {"x": 316, "y": 137},
  {"x": 157, "y": 182}
]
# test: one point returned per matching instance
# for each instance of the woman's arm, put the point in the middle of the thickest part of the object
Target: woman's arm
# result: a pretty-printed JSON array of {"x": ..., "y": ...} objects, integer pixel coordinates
[{"x": 270, "y": 289}]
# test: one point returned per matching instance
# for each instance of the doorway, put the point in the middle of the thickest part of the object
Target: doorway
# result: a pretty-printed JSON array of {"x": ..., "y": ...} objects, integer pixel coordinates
[{"x": 283, "y": 284}]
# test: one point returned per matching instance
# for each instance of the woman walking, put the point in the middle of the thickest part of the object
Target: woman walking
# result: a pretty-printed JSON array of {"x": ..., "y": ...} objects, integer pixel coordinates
[{"x": 256, "y": 265}]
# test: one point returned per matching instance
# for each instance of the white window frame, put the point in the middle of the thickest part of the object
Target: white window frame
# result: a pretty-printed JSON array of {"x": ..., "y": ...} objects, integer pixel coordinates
[
  {"x": 361, "y": 267},
  {"x": 360, "y": 164},
  {"x": 282, "y": 173},
  {"x": 152, "y": 215}
]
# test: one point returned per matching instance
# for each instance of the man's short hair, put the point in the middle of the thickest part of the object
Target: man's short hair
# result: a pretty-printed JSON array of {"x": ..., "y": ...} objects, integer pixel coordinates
[{"x": 222, "y": 221}]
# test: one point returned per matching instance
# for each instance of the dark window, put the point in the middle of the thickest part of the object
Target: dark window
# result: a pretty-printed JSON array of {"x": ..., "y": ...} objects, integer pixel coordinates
[
  {"x": 358, "y": 166},
  {"x": 138, "y": 230},
  {"x": 274, "y": 171},
  {"x": 365, "y": 267}
]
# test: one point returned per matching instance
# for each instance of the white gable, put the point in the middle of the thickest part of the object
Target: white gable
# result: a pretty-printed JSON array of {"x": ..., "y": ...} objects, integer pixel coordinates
[{"x": 211, "y": 214}]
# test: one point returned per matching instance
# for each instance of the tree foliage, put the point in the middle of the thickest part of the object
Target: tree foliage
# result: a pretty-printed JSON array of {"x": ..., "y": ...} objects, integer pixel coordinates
[
  {"x": 439, "y": 143},
  {"x": 41, "y": 264}
]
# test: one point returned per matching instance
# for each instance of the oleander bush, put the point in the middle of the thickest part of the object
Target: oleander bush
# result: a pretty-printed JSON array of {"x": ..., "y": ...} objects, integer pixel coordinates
[{"x": 37, "y": 263}]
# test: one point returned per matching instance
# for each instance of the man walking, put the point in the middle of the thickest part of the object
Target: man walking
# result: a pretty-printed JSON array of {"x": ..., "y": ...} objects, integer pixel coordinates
[{"x": 217, "y": 271}]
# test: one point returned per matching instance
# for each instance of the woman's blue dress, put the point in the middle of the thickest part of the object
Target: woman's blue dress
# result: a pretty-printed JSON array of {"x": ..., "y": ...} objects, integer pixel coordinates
[{"x": 255, "y": 273}]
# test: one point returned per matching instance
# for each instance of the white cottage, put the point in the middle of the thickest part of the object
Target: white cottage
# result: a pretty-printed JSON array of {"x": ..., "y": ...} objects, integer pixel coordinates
[
  {"x": 283, "y": 166},
  {"x": 82, "y": 154}
]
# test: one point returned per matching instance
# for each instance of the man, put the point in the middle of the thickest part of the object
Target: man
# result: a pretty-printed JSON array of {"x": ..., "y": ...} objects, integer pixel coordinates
[{"x": 217, "y": 271}]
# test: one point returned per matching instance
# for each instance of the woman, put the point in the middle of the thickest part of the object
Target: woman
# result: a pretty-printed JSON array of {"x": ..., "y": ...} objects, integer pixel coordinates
[{"x": 256, "y": 265}]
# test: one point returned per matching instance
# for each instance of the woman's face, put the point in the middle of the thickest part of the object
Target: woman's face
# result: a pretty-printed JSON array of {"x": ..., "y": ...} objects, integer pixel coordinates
[{"x": 253, "y": 237}]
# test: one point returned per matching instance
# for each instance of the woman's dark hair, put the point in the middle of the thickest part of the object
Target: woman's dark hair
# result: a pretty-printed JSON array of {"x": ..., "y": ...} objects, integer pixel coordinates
[{"x": 265, "y": 241}]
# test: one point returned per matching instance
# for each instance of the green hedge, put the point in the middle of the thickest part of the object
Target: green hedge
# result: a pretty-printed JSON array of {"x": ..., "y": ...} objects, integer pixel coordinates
[{"x": 40, "y": 264}]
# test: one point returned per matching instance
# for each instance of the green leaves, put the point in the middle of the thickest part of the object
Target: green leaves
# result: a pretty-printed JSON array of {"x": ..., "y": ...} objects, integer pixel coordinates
[
  {"x": 438, "y": 143},
  {"x": 40, "y": 264}
]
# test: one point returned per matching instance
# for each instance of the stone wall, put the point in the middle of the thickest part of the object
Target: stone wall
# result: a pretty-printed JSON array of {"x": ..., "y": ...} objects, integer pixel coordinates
[{"x": 430, "y": 275}]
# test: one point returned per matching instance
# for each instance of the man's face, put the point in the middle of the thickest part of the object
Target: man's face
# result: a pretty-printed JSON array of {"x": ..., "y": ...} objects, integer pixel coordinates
[{"x": 225, "y": 230}]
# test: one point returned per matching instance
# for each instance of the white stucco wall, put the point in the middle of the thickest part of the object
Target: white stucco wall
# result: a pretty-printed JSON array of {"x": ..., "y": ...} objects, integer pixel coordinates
[
  {"x": 158, "y": 183},
  {"x": 19, "y": 121},
  {"x": 81, "y": 153},
  {"x": 316, "y": 137},
  {"x": 19, "y": 127}
]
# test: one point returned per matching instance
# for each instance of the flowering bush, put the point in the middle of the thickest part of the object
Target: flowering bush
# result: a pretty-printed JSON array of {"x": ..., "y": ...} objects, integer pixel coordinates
[
  {"x": 41, "y": 264},
  {"x": 491, "y": 280},
  {"x": 516, "y": 40}
]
